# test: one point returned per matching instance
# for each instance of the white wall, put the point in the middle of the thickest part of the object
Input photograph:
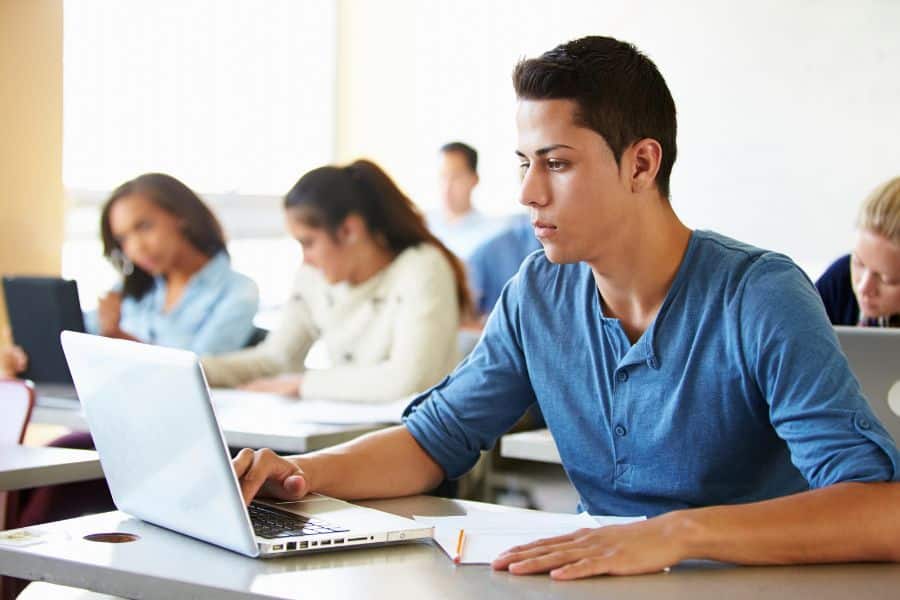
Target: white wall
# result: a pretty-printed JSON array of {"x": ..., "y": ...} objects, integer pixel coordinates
[{"x": 789, "y": 112}]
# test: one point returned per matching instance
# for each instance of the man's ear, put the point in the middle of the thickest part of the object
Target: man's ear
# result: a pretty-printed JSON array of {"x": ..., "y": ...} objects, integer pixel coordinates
[{"x": 644, "y": 157}]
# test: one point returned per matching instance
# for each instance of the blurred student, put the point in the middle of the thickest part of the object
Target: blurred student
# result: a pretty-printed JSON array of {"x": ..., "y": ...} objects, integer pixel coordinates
[
  {"x": 382, "y": 293},
  {"x": 178, "y": 289},
  {"x": 863, "y": 287},
  {"x": 497, "y": 259},
  {"x": 457, "y": 223}
]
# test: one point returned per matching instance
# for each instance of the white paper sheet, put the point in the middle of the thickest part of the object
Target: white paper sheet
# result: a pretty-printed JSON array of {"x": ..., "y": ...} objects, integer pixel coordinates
[
  {"x": 488, "y": 534},
  {"x": 230, "y": 403}
]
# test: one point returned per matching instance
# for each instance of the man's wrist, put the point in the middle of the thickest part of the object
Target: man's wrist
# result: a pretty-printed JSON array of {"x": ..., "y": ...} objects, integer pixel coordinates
[{"x": 686, "y": 531}]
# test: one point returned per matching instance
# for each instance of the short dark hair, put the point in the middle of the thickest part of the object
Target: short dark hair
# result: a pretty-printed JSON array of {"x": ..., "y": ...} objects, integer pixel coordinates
[
  {"x": 619, "y": 93},
  {"x": 468, "y": 152}
]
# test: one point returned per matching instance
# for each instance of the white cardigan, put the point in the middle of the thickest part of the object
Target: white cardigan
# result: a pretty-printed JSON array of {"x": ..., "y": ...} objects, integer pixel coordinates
[{"x": 389, "y": 337}]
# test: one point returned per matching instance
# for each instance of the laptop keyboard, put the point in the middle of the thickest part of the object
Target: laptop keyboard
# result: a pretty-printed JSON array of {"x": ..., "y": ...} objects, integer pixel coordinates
[{"x": 270, "y": 522}]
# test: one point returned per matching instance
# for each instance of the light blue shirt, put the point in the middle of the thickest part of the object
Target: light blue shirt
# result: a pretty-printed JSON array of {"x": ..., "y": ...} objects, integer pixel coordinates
[
  {"x": 496, "y": 260},
  {"x": 463, "y": 235},
  {"x": 737, "y": 392},
  {"x": 214, "y": 315}
]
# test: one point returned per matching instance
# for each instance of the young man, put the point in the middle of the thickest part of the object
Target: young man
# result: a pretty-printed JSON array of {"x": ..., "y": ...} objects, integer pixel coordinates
[
  {"x": 457, "y": 223},
  {"x": 684, "y": 375}
]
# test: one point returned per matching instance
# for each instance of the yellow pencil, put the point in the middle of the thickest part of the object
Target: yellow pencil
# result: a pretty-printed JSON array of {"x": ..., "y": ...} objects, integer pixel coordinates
[{"x": 459, "y": 546}]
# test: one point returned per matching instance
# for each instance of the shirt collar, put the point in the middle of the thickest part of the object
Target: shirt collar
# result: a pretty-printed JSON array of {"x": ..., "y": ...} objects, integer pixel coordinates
[
  {"x": 646, "y": 348},
  {"x": 214, "y": 271}
]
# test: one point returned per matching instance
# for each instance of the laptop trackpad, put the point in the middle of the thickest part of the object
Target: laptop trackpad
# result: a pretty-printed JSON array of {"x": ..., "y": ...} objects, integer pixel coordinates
[
  {"x": 343, "y": 513},
  {"x": 314, "y": 504}
]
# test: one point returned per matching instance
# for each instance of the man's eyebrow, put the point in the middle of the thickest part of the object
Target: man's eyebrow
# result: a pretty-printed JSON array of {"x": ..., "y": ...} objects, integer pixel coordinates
[{"x": 545, "y": 150}]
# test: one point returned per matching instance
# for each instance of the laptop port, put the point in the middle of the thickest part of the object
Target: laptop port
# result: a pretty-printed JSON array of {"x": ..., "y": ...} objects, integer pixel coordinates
[
  {"x": 303, "y": 545},
  {"x": 340, "y": 541},
  {"x": 359, "y": 539},
  {"x": 277, "y": 547},
  {"x": 314, "y": 543},
  {"x": 292, "y": 545},
  {"x": 325, "y": 543}
]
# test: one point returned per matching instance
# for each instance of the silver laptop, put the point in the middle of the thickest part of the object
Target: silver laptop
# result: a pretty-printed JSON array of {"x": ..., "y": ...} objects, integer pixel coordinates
[
  {"x": 166, "y": 461},
  {"x": 874, "y": 356}
]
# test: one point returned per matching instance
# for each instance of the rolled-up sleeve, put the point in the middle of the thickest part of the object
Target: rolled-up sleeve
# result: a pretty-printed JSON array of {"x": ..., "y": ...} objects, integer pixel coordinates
[
  {"x": 815, "y": 402},
  {"x": 487, "y": 393}
]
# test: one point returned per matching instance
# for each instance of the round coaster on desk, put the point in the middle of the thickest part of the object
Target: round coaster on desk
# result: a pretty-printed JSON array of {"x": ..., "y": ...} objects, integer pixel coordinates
[{"x": 112, "y": 538}]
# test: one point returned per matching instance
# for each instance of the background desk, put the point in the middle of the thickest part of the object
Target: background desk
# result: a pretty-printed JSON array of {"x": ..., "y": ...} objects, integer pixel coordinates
[
  {"x": 530, "y": 445},
  {"x": 163, "y": 564},
  {"x": 23, "y": 467},
  {"x": 245, "y": 424}
]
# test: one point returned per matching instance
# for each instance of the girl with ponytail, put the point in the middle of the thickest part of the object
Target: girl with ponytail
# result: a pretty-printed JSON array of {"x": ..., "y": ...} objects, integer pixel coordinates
[{"x": 382, "y": 293}]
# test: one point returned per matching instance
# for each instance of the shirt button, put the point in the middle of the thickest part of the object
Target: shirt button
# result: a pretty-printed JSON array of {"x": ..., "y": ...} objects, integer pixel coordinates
[
  {"x": 620, "y": 431},
  {"x": 622, "y": 376},
  {"x": 652, "y": 363},
  {"x": 863, "y": 423}
]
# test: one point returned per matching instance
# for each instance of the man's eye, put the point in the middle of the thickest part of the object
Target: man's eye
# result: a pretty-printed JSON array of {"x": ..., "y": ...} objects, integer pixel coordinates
[{"x": 555, "y": 165}]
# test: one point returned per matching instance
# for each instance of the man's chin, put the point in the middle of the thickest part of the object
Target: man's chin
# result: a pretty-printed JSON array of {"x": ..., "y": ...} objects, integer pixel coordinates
[{"x": 558, "y": 257}]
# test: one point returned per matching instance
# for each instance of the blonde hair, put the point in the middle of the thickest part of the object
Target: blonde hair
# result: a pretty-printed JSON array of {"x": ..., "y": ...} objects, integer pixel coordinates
[{"x": 881, "y": 211}]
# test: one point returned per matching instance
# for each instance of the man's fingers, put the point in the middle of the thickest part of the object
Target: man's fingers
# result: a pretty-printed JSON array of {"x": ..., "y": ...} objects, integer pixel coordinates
[
  {"x": 546, "y": 562},
  {"x": 253, "y": 478},
  {"x": 536, "y": 548},
  {"x": 292, "y": 487},
  {"x": 507, "y": 559},
  {"x": 586, "y": 567},
  {"x": 266, "y": 472},
  {"x": 242, "y": 462}
]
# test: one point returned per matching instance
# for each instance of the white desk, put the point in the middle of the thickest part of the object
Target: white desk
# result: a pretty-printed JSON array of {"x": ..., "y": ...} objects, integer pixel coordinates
[
  {"x": 163, "y": 564},
  {"x": 265, "y": 422},
  {"x": 23, "y": 467},
  {"x": 530, "y": 445}
]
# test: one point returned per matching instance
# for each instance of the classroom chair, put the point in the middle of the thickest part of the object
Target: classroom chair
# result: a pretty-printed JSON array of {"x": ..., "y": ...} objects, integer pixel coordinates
[{"x": 16, "y": 404}]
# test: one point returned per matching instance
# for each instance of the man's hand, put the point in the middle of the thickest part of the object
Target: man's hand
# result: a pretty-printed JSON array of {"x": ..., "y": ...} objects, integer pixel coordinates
[
  {"x": 645, "y": 547},
  {"x": 265, "y": 473},
  {"x": 284, "y": 385}
]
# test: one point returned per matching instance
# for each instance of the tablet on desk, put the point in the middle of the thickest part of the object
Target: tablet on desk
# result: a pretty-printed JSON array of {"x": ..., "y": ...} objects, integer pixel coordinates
[{"x": 39, "y": 308}]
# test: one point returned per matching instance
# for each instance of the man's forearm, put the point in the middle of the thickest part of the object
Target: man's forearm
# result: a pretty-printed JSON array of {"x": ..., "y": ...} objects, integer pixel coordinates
[
  {"x": 843, "y": 523},
  {"x": 384, "y": 464}
]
